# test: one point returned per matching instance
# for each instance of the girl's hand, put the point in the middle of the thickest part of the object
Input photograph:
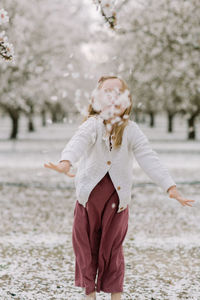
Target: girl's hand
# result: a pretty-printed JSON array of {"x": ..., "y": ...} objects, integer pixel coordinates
[
  {"x": 173, "y": 193},
  {"x": 62, "y": 167}
]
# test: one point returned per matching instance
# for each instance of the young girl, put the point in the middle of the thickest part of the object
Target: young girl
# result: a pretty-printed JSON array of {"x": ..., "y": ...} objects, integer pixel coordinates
[{"x": 104, "y": 149}]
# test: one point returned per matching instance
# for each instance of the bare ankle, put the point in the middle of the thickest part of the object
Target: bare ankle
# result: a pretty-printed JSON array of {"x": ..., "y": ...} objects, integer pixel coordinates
[
  {"x": 91, "y": 295},
  {"x": 116, "y": 296}
]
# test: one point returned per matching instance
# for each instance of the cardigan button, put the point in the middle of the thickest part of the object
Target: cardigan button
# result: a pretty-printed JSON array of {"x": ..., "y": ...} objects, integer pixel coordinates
[
  {"x": 118, "y": 187},
  {"x": 121, "y": 208},
  {"x": 108, "y": 162}
]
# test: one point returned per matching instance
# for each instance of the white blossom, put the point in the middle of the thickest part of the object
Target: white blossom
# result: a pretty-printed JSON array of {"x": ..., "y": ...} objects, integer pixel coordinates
[
  {"x": 4, "y": 18},
  {"x": 6, "y": 48},
  {"x": 109, "y": 104}
]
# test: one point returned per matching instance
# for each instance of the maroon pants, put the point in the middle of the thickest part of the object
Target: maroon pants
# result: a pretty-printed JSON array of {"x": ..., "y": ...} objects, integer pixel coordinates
[{"x": 97, "y": 236}]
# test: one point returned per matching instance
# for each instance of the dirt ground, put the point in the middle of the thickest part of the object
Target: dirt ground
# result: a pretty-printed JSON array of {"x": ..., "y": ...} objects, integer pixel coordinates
[{"x": 161, "y": 248}]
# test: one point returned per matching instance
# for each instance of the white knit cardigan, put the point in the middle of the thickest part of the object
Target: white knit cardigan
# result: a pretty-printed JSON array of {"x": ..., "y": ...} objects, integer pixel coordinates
[{"x": 89, "y": 149}]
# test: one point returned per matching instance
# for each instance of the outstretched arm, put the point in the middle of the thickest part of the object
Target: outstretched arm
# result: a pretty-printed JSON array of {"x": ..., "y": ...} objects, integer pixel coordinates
[
  {"x": 149, "y": 161},
  {"x": 83, "y": 138}
]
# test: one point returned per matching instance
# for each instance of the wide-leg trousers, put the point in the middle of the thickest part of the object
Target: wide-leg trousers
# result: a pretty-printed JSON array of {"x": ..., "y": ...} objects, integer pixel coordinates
[{"x": 97, "y": 235}]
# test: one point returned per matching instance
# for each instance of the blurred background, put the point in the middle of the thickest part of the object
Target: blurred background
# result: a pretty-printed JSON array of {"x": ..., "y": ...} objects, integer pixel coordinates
[{"x": 55, "y": 53}]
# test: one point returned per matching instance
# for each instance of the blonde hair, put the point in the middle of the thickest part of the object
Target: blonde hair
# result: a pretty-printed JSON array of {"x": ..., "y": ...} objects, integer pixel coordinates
[{"x": 117, "y": 129}]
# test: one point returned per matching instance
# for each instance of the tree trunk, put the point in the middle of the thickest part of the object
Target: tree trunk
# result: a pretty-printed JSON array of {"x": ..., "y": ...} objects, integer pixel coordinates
[
  {"x": 54, "y": 116},
  {"x": 14, "y": 115},
  {"x": 170, "y": 117},
  {"x": 31, "y": 127},
  {"x": 191, "y": 128},
  {"x": 43, "y": 114},
  {"x": 152, "y": 119},
  {"x": 59, "y": 112}
]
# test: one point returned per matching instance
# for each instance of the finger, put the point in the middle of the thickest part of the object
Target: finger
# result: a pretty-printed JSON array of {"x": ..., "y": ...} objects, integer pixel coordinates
[
  {"x": 52, "y": 167},
  {"x": 51, "y": 164},
  {"x": 47, "y": 166},
  {"x": 69, "y": 174},
  {"x": 187, "y": 200},
  {"x": 189, "y": 204},
  {"x": 55, "y": 167}
]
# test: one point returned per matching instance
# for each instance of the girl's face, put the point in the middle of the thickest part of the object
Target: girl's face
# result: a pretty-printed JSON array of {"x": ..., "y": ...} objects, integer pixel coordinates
[{"x": 111, "y": 85}]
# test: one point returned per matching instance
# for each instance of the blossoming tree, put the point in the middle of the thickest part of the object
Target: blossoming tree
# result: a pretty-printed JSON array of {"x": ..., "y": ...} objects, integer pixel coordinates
[
  {"x": 157, "y": 43},
  {"x": 50, "y": 66},
  {"x": 6, "y": 49}
]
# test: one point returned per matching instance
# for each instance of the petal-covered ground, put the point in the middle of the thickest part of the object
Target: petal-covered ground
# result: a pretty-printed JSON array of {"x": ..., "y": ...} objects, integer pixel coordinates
[{"x": 162, "y": 245}]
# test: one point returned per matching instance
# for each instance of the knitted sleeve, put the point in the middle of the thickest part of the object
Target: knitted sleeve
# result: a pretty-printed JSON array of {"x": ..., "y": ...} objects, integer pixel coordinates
[
  {"x": 149, "y": 160},
  {"x": 83, "y": 138}
]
